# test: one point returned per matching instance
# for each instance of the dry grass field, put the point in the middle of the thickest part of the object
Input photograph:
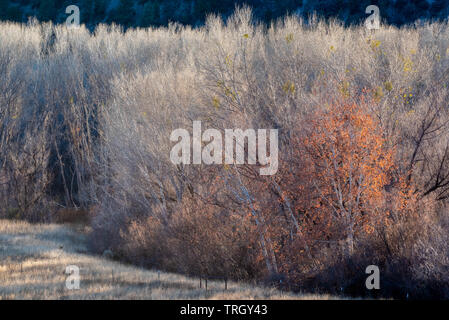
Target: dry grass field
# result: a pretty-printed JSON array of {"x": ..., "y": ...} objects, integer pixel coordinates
[{"x": 33, "y": 259}]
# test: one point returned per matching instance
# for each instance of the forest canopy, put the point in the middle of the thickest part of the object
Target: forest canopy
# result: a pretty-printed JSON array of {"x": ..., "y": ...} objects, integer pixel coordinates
[{"x": 145, "y": 13}]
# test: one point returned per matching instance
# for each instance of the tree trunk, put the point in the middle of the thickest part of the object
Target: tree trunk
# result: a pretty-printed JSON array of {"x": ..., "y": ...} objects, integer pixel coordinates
[{"x": 350, "y": 240}]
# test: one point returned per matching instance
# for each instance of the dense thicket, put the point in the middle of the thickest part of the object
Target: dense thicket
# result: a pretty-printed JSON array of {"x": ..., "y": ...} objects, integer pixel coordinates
[
  {"x": 86, "y": 118},
  {"x": 146, "y": 13}
]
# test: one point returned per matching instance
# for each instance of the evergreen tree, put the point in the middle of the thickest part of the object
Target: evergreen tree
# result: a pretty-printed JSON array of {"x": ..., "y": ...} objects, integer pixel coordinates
[
  {"x": 384, "y": 6},
  {"x": 185, "y": 12},
  {"x": 438, "y": 8},
  {"x": 125, "y": 13},
  {"x": 100, "y": 9},
  {"x": 47, "y": 10},
  {"x": 205, "y": 7},
  {"x": 168, "y": 12},
  {"x": 14, "y": 13},
  {"x": 354, "y": 7},
  {"x": 269, "y": 11},
  {"x": 87, "y": 11},
  {"x": 4, "y": 4},
  {"x": 151, "y": 14},
  {"x": 160, "y": 12},
  {"x": 421, "y": 5},
  {"x": 333, "y": 8},
  {"x": 410, "y": 12}
]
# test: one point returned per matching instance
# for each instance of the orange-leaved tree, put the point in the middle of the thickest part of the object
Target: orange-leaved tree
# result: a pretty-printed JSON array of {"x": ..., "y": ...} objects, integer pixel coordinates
[{"x": 345, "y": 166}]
